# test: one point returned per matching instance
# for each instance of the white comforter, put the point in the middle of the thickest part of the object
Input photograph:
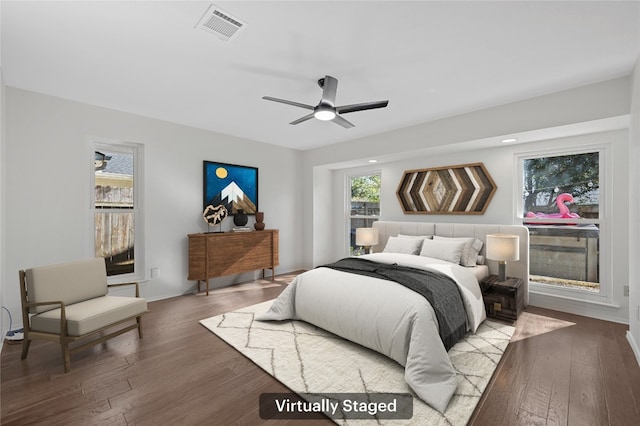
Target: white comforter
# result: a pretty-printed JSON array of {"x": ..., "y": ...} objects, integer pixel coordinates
[{"x": 386, "y": 317}]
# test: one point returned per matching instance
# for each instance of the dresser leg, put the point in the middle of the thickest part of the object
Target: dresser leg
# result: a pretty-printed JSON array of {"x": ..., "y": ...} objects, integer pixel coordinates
[{"x": 207, "y": 286}]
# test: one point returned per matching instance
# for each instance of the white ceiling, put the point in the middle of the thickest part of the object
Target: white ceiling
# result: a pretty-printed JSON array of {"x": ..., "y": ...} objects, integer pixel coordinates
[{"x": 430, "y": 59}]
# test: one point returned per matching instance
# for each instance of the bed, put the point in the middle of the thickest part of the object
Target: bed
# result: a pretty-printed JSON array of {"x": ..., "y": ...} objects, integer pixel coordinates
[{"x": 372, "y": 300}]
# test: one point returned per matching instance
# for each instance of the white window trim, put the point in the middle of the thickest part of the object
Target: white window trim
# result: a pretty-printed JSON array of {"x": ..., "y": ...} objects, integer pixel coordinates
[
  {"x": 94, "y": 144},
  {"x": 605, "y": 295},
  {"x": 348, "y": 216}
]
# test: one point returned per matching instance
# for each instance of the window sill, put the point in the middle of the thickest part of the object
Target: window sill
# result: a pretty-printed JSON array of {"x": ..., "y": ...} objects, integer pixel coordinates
[{"x": 604, "y": 304}]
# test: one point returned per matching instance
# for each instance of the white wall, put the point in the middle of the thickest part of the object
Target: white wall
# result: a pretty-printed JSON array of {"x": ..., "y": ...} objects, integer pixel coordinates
[
  {"x": 47, "y": 185},
  {"x": 322, "y": 214},
  {"x": 597, "y": 101},
  {"x": 4, "y": 326},
  {"x": 634, "y": 219}
]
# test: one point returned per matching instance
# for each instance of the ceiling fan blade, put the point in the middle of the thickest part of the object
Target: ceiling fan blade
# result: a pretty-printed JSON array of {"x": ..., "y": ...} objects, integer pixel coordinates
[
  {"x": 341, "y": 121},
  {"x": 361, "y": 107},
  {"x": 301, "y": 119},
  {"x": 284, "y": 101},
  {"x": 329, "y": 89}
]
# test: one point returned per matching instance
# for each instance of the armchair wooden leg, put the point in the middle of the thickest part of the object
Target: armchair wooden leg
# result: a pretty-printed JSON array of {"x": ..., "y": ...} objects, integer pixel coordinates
[
  {"x": 25, "y": 347},
  {"x": 65, "y": 356},
  {"x": 139, "y": 320}
]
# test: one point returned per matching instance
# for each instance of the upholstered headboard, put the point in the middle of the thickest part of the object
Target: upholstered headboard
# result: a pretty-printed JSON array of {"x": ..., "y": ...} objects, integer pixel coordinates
[{"x": 519, "y": 268}]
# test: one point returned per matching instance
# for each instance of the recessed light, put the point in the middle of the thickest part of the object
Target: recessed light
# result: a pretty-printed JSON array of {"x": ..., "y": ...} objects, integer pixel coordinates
[
  {"x": 373, "y": 161},
  {"x": 508, "y": 140}
]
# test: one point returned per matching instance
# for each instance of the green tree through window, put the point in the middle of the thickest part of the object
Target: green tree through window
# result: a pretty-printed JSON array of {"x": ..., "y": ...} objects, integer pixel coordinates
[
  {"x": 547, "y": 177},
  {"x": 366, "y": 188},
  {"x": 364, "y": 204}
]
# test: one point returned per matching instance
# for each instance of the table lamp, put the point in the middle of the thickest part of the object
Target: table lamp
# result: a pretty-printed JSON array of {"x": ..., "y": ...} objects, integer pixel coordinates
[
  {"x": 503, "y": 248},
  {"x": 366, "y": 237}
]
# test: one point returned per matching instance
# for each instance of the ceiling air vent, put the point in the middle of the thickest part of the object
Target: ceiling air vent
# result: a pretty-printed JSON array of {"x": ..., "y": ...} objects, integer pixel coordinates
[{"x": 220, "y": 23}]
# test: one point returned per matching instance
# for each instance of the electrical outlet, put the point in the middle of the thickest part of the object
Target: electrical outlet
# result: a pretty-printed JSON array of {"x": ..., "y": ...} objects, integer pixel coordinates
[
  {"x": 626, "y": 290},
  {"x": 155, "y": 272}
]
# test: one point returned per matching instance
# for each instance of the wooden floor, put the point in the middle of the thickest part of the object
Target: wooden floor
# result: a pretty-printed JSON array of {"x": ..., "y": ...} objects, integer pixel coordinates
[{"x": 559, "y": 369}]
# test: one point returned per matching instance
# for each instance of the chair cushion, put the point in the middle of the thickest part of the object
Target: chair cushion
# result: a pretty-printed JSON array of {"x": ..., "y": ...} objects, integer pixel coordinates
[
  {"x": 90, "y": 315},
  {"x": 68, "y": 282}
]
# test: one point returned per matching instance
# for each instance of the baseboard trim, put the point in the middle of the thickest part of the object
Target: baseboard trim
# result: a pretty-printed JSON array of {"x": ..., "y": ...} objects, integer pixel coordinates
[
  {"x": 599, "y": 311},
  {"x": 634, "y": 346}
]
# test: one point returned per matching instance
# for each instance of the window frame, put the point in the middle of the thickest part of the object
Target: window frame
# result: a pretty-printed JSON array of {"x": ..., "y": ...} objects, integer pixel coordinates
[
  {"x": 98, "y": 144},
  {"x": 348, "y": 215},
  {"x": 605, "y": 293}
]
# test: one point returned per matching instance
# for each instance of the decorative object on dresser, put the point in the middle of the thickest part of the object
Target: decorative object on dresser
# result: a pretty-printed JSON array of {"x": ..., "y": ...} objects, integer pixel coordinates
[
  {"x": 240, "y": 218},
  {"x": 219, "y": 254},
  {"x": 214, "y": 215},
  {"x": 366, "y": 237},
  {"x": 503, "y": 248},
  {"x": 234, "y": 186},
  {"x": 503, "y": 299},
  {"x": 241, "y": 229},
  {"x": 461, "y": 189},
  {"x": 259, "y": 225}
]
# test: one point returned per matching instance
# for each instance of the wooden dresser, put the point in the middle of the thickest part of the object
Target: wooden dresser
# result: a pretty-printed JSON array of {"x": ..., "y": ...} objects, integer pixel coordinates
[{"x": 217, "y": 254}]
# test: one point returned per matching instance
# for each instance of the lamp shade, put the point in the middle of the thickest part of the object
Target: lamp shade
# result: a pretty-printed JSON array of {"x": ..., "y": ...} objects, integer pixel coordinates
[
  {"x": 366, "y": 237},
  {"x": 503, "y": 247}
]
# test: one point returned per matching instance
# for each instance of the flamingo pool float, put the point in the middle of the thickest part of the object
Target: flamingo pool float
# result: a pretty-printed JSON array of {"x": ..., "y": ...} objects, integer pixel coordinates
[{"x": 565, "y": 213}]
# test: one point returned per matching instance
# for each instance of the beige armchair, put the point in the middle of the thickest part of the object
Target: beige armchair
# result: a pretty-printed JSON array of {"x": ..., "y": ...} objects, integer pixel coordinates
[{"x": 68, "y": 302}]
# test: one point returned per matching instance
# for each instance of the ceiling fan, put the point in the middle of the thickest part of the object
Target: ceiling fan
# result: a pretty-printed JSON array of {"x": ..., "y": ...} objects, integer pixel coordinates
[{"x": 327, "y": 110}]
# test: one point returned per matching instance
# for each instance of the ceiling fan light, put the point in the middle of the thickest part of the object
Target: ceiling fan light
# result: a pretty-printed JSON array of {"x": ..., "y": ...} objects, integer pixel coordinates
[{"x": 324, "y": 114}]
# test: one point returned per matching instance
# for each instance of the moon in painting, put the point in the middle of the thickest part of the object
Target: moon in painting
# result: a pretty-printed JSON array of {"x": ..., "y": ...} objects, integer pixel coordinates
[{"x": 221, "y": 172}]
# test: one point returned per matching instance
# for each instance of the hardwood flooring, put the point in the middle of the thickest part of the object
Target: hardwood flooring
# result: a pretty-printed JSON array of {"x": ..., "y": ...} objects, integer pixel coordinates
[{"x": 559, "y": 369}]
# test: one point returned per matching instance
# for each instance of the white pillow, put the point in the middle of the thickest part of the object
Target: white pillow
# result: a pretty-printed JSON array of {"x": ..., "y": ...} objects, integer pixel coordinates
[
  {"x": 451, "y": 251},
  {"x": 420, "y": 237},
  {"x": 471, "y": 249},
  {"x": 403, "y": 245}
]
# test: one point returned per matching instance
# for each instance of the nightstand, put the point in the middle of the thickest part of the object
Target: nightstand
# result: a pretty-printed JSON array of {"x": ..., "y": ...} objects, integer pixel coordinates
[{"x": 503, "y": 299}]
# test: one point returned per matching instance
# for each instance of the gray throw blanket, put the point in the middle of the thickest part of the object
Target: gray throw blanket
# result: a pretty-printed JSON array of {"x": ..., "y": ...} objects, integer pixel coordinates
[{"x": 440, "y": 290}]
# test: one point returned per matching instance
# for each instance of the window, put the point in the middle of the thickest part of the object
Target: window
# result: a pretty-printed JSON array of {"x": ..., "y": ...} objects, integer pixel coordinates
[
  {"x": 364, "y": 202},
  {"x": 116, "y": 206},
  {"x": 562, "y": 204}
]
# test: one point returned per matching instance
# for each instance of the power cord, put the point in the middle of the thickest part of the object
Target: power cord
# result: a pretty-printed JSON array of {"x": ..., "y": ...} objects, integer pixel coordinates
[{"x": 13, "y": 336}]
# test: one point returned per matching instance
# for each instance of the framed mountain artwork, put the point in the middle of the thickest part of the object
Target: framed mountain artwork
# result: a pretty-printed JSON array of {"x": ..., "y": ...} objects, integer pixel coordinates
[{"x": 233, "y": 186}]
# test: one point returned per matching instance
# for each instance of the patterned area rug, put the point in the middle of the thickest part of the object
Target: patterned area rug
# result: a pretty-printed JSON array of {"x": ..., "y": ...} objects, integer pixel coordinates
[{"x": 308, "y": 359}]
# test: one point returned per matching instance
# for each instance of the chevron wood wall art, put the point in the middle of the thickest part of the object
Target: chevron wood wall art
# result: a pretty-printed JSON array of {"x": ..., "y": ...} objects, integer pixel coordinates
[{"x": 461, "y": 189}]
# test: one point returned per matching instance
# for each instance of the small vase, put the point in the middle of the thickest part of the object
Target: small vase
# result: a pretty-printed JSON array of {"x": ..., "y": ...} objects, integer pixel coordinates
[
  {"x": 240, "y": 218},
  {"x": 259, "y": 225}
]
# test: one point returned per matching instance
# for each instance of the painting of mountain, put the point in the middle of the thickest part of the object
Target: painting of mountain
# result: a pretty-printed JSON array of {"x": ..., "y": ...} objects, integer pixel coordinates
[{"x": 234, "y": 186}]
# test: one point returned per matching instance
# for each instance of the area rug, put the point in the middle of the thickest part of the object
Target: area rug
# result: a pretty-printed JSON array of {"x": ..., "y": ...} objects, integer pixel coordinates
[{"x": 308, "y": 359}]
